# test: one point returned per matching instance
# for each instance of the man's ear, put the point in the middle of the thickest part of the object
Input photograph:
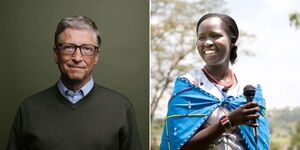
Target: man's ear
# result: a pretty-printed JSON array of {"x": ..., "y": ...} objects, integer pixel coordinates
[
  {"x": 55, "y": 54},
  {"x": 97, "y": 57}
]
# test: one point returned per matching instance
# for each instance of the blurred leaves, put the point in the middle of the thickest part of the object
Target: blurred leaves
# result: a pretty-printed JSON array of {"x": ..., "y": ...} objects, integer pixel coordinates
[
  {"x": 295, "y": 140},
  {"x": 295, "y": 19},
  {"x": 283, "y": 124}
]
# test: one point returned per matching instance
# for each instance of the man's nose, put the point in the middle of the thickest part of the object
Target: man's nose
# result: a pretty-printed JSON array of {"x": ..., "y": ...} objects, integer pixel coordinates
[{"x": 77, "y": 57}]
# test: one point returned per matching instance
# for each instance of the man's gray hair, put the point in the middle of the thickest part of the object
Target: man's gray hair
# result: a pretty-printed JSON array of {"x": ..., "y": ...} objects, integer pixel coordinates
[{"x": 76, "y": 22}]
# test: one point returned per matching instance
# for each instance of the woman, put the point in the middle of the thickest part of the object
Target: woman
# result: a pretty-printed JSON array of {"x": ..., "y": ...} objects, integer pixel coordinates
[{"x": 207, "y": 108}]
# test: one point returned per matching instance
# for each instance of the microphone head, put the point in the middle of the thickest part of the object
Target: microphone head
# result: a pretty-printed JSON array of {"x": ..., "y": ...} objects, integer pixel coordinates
[
  {"x": 225, "y": 90},
  {"x": 249, "y": 92}
]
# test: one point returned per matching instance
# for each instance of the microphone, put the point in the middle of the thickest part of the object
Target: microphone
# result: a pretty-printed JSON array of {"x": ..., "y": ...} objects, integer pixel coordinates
[{"x": 249, "y": 93}]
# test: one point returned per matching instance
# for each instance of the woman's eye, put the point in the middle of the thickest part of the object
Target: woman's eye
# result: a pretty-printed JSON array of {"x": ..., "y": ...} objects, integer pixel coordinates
[
  {"x": 200, "y": 38},
  {"x": 215, "y": 35}
]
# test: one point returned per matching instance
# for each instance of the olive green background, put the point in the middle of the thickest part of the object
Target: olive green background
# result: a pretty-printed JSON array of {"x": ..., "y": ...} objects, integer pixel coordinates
[{"x": 26, "y": 61}]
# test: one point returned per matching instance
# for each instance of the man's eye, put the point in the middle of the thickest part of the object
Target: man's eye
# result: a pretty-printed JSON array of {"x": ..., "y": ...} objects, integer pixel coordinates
[
  {"x": 87, "y": 48},
  {"x": 68, "y": 48}
]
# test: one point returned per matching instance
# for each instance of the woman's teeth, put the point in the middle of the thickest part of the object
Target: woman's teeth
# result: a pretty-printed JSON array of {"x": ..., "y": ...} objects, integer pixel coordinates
[{"x": 207, "y": 52}]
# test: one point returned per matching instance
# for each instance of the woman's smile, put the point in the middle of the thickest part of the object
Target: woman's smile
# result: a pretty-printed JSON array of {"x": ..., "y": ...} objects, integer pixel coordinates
[{"x": 210, "y": 52}]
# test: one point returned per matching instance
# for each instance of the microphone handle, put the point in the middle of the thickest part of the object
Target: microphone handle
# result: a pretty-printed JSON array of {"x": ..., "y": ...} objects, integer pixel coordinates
[
  {"x": 255, "y": 132},
  {"x": 254, "y": 129}
]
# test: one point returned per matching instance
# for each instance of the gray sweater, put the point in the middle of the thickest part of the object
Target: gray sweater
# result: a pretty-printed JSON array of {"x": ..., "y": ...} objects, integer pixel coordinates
[{"x": 102, "y": 120}]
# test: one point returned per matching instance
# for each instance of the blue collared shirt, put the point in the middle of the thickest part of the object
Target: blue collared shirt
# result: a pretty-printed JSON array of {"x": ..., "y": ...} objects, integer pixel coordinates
[{"x": 72, "y": 96}]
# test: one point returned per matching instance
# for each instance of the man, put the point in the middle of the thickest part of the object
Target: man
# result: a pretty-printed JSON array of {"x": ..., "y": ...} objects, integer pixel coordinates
[{"x": 76, "y": 113}]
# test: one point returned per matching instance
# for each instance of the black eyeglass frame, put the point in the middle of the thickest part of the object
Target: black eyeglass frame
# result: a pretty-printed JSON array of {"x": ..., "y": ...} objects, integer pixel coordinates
[{"x": 80, "y": 48}]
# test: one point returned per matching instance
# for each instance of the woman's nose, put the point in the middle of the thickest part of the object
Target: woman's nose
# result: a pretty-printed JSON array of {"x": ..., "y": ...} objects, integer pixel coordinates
[{"x": 208, "y": 43}]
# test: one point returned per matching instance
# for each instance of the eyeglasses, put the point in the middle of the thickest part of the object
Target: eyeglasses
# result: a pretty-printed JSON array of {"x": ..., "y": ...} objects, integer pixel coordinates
[{"x": 85, "y": 49}]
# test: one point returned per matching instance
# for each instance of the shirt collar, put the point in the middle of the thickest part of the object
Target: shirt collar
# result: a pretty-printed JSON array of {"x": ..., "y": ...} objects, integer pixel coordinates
[
  {"x": 84, "y": 90},
  {"x": 88, "y": 87}
]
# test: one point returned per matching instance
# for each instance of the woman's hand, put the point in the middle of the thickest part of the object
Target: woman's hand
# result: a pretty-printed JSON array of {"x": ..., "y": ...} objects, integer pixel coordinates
[{"x": 243, "y": 114}]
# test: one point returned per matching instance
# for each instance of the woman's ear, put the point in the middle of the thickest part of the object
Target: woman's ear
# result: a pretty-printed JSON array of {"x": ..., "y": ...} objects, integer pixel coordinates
[{"x": 233, "y": 40}]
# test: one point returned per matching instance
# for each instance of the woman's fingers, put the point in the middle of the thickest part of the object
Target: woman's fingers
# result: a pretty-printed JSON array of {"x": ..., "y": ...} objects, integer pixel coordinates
[
  {"x": 250, "y": 105},
  {"x": 244, "y": 113},
  {"x": 251, "y": 110},
  {"x": 251, "y": 124},
  {"x": 252, "y": 117}
]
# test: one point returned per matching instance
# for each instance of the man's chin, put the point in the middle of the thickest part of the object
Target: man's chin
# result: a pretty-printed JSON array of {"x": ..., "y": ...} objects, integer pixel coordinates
[{"x": 74, "y": 78}]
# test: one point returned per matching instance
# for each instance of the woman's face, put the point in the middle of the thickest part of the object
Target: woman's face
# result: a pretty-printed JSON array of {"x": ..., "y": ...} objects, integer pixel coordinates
[{"x": 213, "y": 43}]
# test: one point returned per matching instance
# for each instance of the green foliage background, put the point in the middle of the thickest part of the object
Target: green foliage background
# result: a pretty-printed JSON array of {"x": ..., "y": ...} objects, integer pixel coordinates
[
  {"x": 283, "y": 123},
  {"x": 295, "y": 140},
  {"x": 27, "y": 65}
]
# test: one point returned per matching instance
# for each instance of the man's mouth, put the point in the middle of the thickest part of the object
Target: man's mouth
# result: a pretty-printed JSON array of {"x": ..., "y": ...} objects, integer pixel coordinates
[{"x": 76, "y": 67}]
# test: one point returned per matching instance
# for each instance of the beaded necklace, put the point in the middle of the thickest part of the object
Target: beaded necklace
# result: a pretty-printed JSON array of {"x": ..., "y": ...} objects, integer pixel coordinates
[{"x": 213, "y": 79}]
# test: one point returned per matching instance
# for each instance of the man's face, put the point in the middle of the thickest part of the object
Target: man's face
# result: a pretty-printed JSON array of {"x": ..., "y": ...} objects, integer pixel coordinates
[{"x": 76, "y": 67}]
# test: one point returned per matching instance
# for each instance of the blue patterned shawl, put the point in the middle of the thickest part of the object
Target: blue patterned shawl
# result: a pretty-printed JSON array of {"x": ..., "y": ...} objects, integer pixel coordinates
[{"x": 190, "y": 106}]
